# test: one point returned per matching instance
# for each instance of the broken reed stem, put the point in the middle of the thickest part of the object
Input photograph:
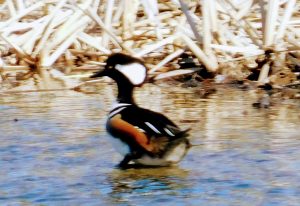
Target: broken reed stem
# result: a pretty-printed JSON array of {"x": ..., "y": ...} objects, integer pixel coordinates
[
  {"x": 289, "y": 7},
  {"x": 22, "y": 14},
  {"x": 86, "y": 53},
  {"x": 34, "y": 90},
  {"x": 107, "y": 21},
  {"x": 96, "y": 5},
  {"x": 97, "y": 19},
  {"x": 48, "y": 28},
  {"x": 45, "y": 76},
  {"x": 253, "y": 34},
  {"x": 192, "y": 24},
  {"x": 270, "y": 22},
  {"x": 14, "y": 68},
  {"x": 209, "y": 63},
  {"x": 293, "y": 41},
  {"x": 264, "y": 72},
  {"x": 69, "y": 62},
  {"x": 213, "y": 16},
  {"x": 174, "y": 73},
  {"x": 206, "y": 26},
  {"x": 249, "y": 50},
  {"x": 157, "y": 45},
  {"x": 92, "y": 42},
  {"x": 61, "y": 27},
  {"x": 67, "y": 29},
  {"x": 119, "y": 11},
  {"x": 20, "y": 5},
  {"x": 244, "y": 10},
  {"x": 47, "y": 61},
  {"x": 11, "y": 8},
  {"x": 255, "y": 55},
  {"x": 60, "y": 36},
  {"x": 20, "y": 52},
  {"x": 151, "y": 9},
  {"x": 167, "y": 59},
  {"x": 248, "y": 27},
  {"x": 34, "y": 35}
]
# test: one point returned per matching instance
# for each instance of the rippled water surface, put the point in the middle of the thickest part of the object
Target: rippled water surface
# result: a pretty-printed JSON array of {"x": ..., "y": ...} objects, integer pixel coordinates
[{"x": 54, "y": 151}]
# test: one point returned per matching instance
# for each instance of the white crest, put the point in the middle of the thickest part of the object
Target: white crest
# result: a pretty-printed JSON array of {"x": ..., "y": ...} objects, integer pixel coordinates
[{"x": 135, "y": 72}]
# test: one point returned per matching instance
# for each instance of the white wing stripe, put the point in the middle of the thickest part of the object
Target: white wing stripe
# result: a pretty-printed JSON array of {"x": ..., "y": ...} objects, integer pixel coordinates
[
  {"x": 152, "y": 127},
  {"x": 169, "y": 132},
  {"x": 115, "y": 105},
  {"x": 116, "y": 112},
  {"x": 140, "y": 129}
]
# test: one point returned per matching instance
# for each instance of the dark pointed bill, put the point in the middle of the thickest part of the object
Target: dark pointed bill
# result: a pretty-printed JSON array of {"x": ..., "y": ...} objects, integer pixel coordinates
[{"x": 100, "y": 73}]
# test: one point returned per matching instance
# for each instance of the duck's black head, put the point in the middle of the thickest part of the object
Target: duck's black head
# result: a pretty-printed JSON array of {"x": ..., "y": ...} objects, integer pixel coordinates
[{"x": 124, "y": 69}]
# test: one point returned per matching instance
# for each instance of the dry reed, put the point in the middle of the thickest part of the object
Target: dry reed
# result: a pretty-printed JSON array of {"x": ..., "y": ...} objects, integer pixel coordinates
[{"x": 67, "y": 35}]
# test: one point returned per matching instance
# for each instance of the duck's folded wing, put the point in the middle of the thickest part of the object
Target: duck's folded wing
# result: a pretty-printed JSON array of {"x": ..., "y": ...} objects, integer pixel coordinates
[
  {"x": 150, "y": 130},
  {"x": 126, "y": 130},
  {"x": 154, "y": 124}
]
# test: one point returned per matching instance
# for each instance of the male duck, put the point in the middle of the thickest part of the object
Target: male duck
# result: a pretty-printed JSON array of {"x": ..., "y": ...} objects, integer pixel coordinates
[{"x": 142, "y": 136}]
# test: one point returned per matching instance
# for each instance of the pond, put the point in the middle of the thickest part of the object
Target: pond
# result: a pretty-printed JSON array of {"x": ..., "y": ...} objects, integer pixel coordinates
[{"x": 54, "y": 150}]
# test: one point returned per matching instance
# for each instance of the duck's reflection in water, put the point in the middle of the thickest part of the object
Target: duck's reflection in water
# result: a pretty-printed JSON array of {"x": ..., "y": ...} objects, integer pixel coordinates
[{"x": 159, "y": 184}]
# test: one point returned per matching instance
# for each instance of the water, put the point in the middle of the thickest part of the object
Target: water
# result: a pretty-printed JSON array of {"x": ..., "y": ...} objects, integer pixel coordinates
[{"x": 54, "y": 151}]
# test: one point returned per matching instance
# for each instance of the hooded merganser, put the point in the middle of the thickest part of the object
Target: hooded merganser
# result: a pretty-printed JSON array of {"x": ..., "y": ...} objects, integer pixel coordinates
[{"x": 140, "y": 135}]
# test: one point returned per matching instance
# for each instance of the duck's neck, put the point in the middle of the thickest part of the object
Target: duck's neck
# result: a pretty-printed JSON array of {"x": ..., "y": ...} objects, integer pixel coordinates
[{"x": 125, "y": 93}]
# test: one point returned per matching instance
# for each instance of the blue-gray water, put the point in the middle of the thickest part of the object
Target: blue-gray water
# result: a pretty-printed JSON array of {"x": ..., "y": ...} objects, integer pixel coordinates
[{"x": 54, "y": 151}]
